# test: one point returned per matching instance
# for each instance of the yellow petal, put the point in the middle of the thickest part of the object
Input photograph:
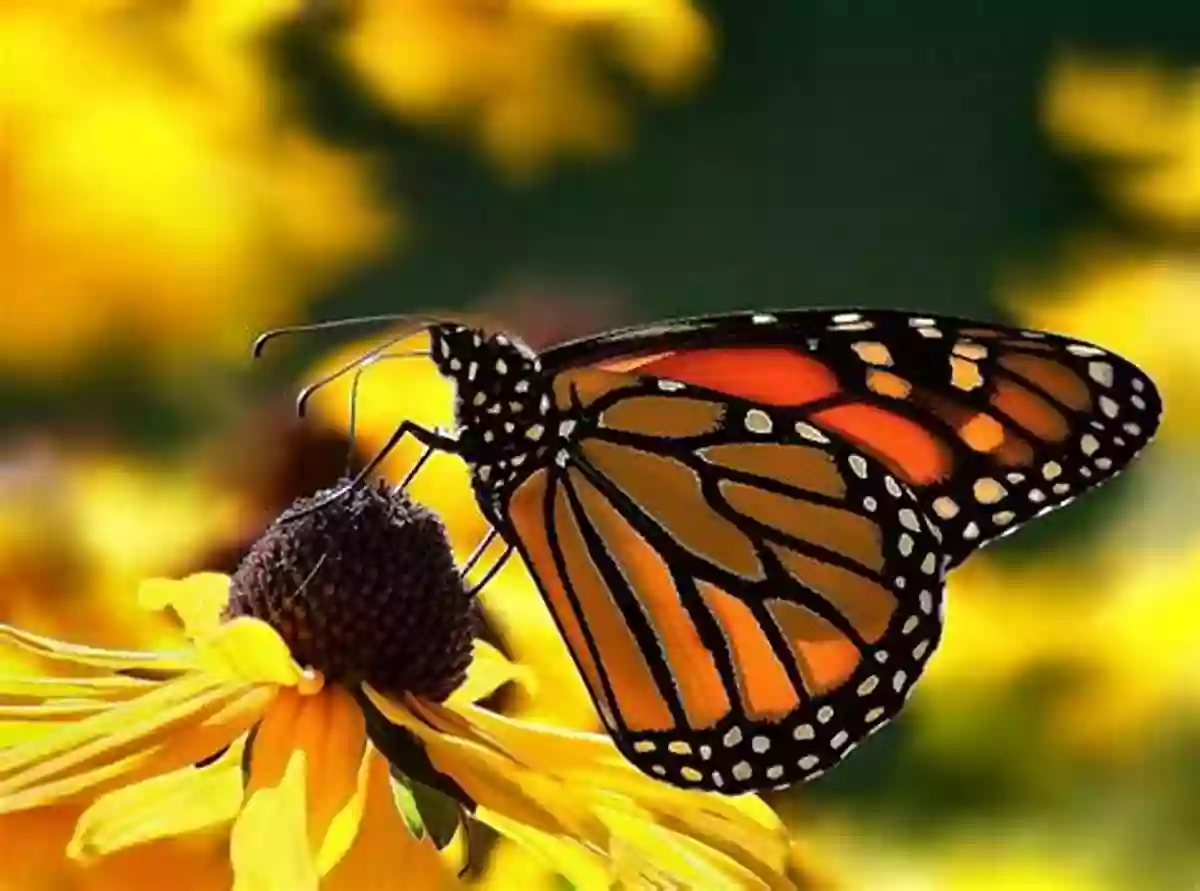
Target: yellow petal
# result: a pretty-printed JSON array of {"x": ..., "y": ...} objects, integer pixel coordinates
[
  {"x": 490, "y": 670},
  {"x": 329, "y": 729},
  {"x": 21, "y": 723},
  {"x": 94, "y": 657},
  {"x": 247, "y": 650},
  {"x": 544, "y": 746},
  {"x": 384, "y": 857},
  {"x": 486, "y": 774},
  {"x": 30, "y": 690},
  {"x": 175, "y": 804},
  {"x": 555, "y": 855},
  {"x": 178, "y": 724},
  {"x": 198, "y": 600},
  {"x": 570, "y": 784},
  {"x": 645, "y": 850},
  {"x": 269, "y": 843},
  {"x": 334, "y": 775}
]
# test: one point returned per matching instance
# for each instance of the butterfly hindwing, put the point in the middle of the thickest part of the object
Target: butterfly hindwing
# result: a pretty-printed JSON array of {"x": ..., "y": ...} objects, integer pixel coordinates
[{"x": 745, "y": 602}]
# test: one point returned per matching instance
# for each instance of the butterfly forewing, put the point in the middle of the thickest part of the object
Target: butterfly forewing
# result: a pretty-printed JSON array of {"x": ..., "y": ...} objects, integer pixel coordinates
[{"x": 992, "y": 426}]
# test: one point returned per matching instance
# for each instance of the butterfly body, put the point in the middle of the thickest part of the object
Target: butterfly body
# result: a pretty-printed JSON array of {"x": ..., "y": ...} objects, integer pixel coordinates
[{"x": 742, "y": 524}]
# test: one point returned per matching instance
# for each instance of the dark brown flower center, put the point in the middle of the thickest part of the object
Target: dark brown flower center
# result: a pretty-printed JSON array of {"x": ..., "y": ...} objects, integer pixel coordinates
[{"x": 364, "y": 589}]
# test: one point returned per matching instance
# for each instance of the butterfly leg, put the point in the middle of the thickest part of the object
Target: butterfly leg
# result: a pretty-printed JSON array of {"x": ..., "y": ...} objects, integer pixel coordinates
[
  {"x": 491, "y": 573},
  {"x": 478, "y": 553},
  {"x": 432, "y": 440}
]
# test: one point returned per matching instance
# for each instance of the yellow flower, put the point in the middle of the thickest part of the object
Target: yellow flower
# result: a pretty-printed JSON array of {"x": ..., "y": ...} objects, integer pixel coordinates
[
  {"x": 524, "y": 78},
  {"x": 148, "y": 186},
  {"x": 1102, "y": 655},
  {"x": 995, "y": 857},
  {"x": 1142, "y": 120},
  {"x": 344, "y": 637},
  {"x": 79, "y": 529}
]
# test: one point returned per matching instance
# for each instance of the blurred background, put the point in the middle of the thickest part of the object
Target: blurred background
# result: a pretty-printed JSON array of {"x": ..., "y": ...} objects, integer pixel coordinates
[{"x": 176, "y": 175}]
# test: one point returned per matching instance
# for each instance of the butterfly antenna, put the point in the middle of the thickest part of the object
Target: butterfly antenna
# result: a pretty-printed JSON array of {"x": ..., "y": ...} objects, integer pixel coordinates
[
  {"x": 352, "y": 420},
  {"x": 306, "y": 394},
  {"x": 266, "y": 337}
]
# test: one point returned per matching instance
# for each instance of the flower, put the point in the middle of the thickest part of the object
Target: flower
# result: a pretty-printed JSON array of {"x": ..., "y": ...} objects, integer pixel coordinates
[
  {"x": 1142, "y": 120},
  {"x": 150, "y": 184},
  {"x": 527, "y": 80},
  {"x": 79, "y": 527},
  {"x": 290, "y": 761}
]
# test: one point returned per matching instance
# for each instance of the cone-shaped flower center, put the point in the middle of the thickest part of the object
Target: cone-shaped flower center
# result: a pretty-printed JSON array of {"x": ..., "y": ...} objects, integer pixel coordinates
[{"x": 364, "y": 589}]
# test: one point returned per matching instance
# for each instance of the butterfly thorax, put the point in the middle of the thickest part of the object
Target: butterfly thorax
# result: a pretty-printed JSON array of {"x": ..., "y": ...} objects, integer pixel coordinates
[{"x": 503, "y": 406}]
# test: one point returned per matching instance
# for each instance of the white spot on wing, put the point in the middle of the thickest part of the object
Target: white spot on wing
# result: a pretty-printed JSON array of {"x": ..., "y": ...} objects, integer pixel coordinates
[{"x": 758, "y": 421}]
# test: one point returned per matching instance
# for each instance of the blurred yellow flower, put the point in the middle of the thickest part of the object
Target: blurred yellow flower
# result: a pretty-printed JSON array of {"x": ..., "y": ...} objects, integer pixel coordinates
[
  {"x": 79, "y": 529},
  {"x": 151, "y": 183},
  {"x": 526, "y": 77},
  {"x": 1113, "y": 641},
  {"x": 990, "y": 857},
  {"x": 1136, "y": 299},
  {"x": 1141, "y": 120}
]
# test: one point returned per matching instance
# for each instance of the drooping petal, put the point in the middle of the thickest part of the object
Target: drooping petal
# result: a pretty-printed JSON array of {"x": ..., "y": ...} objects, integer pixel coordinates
[
  {"x": 539, "y": 784},
  {"x": 24, "y": 690},
  {"x": 175, "y": 724},
  {"x": 246, "y": 650},
  {"x": 643, "y": 850},
  {"x": 483, "y": 772},
  {"x": 490, "y": 670},
  {"x": 175, "y": 804},
  {"x": 21, "y": 723},
  {"x": 269, "y": 844},
  {"x": 384, "y": 856},
  {"x": 329, "y": 729},
  {"x": 94, "y": 657},
  {"x": 583, "y": 867},
  {"x": 197, "y": 600}
]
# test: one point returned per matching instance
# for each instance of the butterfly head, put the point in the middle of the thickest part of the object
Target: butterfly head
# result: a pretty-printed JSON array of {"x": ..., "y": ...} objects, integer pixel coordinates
[{"x": 501, "y": 391}]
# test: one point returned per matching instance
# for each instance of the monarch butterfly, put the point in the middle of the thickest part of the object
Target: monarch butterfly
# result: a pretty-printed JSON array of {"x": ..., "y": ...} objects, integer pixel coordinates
[{"x": 742, "y": 523}]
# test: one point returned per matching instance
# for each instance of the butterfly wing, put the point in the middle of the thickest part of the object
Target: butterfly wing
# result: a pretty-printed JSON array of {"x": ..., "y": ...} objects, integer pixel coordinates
[
  {"x": 744, "y": 602},
  {"x": 991, "y": 426}
]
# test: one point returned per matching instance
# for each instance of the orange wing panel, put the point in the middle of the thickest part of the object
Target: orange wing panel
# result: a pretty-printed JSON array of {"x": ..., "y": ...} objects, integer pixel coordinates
[
  {"x": 670, "y": 492},
  {"x": 693, "y": 668},
  {"x": 825, "y": 657},
  {"x": 769, "y": 375},
  {"x": 526, "y": 513},
  {"x": 866, "y": 604},
  {"x": 832, "y": 528},
  {"x": 907, "y": 448},
  {"x": 766, "y": 691},
  {"x": 639, "y": 700},
  {"x": 1030, "y": 411},
  {"x": 663, "y": 416},
  {"x": 1056, "y": 379}
]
